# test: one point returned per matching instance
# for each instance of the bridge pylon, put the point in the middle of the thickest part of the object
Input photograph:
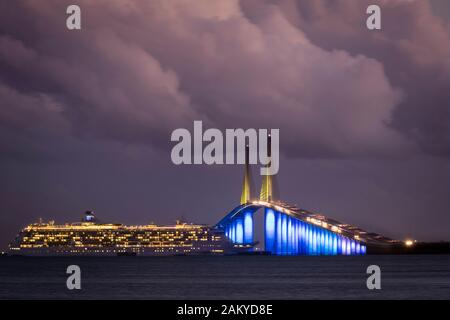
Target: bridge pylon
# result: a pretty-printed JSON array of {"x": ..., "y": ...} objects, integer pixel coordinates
[
  {"x": 247, "y": 185},
  {"x": 269, "y": 187}
]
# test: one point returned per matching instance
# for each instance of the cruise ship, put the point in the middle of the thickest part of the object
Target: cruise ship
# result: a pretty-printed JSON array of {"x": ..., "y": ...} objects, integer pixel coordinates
[{"x": 92, "y": 238}]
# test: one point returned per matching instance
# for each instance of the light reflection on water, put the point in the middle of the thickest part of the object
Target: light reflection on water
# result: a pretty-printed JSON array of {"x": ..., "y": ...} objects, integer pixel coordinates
[{"x": 228, "y": 277}]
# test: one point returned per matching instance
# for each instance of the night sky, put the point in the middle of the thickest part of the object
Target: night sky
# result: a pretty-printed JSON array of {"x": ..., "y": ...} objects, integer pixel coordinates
[{"x": 86, "y": 115}]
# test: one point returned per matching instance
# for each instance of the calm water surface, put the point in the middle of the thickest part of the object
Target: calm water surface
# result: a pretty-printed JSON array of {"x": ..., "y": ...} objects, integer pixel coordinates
[{"x": 228, "y": 277}]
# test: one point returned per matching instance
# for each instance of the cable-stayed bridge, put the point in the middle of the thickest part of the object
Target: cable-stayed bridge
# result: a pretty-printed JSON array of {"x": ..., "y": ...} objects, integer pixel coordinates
[{"x": 289, "y": 230}]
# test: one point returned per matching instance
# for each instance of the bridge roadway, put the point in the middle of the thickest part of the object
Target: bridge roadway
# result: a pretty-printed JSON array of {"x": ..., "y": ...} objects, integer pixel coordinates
[{"x": 289, "y": 230}]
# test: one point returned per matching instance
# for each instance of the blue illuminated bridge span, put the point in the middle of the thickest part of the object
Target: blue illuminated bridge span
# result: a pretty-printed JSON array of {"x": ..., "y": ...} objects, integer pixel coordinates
[
  {"x": 292, "y": 231},
  {"x": 289, "y": 230}
]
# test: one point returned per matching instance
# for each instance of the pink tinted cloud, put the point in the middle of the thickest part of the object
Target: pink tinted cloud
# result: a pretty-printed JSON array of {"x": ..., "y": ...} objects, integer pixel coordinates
[{"x": 138, "y": 70}]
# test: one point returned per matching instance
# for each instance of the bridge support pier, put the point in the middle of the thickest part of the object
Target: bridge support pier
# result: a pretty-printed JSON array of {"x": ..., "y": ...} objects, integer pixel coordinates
[{"x": 286, "y": 235}]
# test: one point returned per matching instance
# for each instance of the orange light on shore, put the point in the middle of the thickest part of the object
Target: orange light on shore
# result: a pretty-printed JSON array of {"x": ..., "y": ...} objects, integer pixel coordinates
[{"x": 409, "y": 243}]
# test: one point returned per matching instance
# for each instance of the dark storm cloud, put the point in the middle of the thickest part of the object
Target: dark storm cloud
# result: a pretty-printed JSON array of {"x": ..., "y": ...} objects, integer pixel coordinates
[
  {"x": 138, "y": 70},
  {"x": 413, "y": 46},
  {"x": 103, "y": 87}
]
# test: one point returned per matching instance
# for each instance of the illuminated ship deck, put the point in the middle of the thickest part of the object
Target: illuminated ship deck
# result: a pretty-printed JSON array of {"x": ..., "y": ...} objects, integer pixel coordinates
[{"x": 92, "y": 238}]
